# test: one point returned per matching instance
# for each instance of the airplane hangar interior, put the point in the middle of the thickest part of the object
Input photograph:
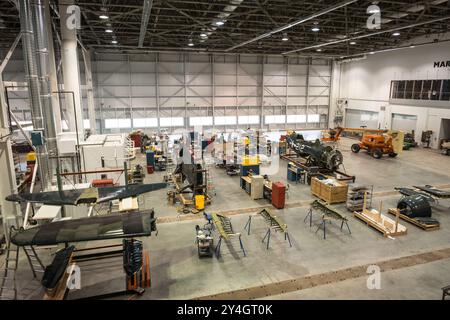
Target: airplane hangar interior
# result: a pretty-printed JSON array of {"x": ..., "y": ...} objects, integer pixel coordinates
[{"x": 224, "y": 150}]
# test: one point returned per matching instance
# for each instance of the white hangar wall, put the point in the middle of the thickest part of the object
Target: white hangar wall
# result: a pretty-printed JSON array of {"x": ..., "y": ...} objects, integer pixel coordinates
[
  {"x": 366, "y": 86},
  {"x": 180, "y": 90}
]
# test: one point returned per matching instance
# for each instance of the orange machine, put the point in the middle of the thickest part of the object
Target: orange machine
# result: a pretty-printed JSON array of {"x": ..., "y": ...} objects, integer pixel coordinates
[
  {"x": 379, "y": 144},
  {"x": 333, "y": 135}
]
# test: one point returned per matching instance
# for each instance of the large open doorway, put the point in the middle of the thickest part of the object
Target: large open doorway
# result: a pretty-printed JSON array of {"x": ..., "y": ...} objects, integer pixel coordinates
[
  {"x": 444, "y": 133},
  {"x": 404, "y": 122}
]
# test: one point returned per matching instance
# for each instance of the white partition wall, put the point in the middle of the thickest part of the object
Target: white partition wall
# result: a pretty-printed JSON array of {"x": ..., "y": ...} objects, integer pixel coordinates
[{"x": 367, "y": 86}]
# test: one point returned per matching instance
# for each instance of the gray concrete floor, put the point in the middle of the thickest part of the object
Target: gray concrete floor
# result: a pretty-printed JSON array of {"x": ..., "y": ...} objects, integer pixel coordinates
[{"x": 178, "y": 273}]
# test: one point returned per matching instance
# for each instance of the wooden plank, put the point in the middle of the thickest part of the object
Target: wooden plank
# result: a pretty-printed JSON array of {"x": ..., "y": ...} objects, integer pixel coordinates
[
  {"x": 401, "y": 230},
  {"x": 426, "y": 227},
  {"x": 59, "y": 292}
]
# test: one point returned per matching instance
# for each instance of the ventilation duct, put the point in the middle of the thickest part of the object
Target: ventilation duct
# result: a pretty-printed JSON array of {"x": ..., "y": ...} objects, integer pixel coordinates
[{"x": 35, "y": 59}]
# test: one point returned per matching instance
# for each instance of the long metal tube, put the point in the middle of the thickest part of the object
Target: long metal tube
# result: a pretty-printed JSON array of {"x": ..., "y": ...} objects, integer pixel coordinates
[
  {"x": 31, "y": 72},
  {"x": 42, "y": 52}
]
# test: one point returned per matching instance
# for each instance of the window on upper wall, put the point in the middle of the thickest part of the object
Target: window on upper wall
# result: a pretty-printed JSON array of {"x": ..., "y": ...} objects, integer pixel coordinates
[
  {"x": 409, "y": 89},
  {"x": 421, "y": 89},
  {"x": 145, "y": 122},
  {"x": 201, "y": 121},
  {"x": 417, "y": 89},
  {"x": 248, "y": 119},
  {"x": 171, "y": 122},
  {"x": 117, "y": 123},
  {"x": 313, "y": 118},
  {"x": 225, "y": 120},
  {"x": 436, "y": 89},
  {"x": 296, "y": 118},
  {"x": 401, "y": 90},
  {"x": 274, "y": 119},
  {"x": 426, "y": 90},
  {"x": 394, "y": 87},
  {"x": 445, "y": 94}
]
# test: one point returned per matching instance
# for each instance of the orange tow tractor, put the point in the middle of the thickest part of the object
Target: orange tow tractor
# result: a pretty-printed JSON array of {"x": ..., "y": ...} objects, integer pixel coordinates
[{"x": 390, "y": 143}]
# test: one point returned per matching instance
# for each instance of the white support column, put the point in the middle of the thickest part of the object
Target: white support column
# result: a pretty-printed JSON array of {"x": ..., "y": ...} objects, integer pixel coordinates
[
  {"x": 262, "y": 92},
  {"x": 71, "y": 69},
  {"x": 158, "y": 111},
  {"x": 213, "y": 93},
  {"x": 287, "y": 92},
  {"x": 87, "y": 57},
  {"x": 8, "y": 184},
  {"x": 52, "y": 68},
  {"x": 308, "y": 72},
  {"x": 237, "y": 89},
  {"x": 130, "y": 91},
  {"x": 185, "y": 92}
]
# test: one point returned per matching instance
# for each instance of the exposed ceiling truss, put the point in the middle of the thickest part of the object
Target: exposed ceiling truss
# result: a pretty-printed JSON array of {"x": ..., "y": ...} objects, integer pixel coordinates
[{"x": 170, "y": 25}]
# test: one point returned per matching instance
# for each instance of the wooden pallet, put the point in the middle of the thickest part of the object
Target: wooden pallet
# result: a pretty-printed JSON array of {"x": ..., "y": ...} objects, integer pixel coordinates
[
  {"x": 382, "y": 223},
  {"x": 426, "y": 227}
]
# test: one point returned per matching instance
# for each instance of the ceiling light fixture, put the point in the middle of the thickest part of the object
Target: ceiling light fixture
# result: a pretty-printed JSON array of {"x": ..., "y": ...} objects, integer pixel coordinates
[
  {"x": 108, "y": 31},
  {"x": 203, "y": 35},
  {"x": 396, "y": 34},
  {"x": 285, "y": 37},
  {"x": 352, "y": 42},
  {"x": 114, "y": 42},
  {"x": 190, "y": 44},
  {"x": 316, "y": 27},
  {"x": 103, "y": 17},
  {"x": 220, "y": 23},
  {"x": 319, "y": 50}
]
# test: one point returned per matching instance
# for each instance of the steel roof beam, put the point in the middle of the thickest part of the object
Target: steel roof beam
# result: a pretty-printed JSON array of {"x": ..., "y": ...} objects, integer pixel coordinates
[
  {"x": 292, "y": 24},
  {"x": 370, "y": 34}
]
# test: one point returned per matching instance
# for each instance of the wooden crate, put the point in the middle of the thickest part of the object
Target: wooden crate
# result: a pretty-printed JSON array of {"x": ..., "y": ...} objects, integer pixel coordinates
[{"x": 329, "y": 194}]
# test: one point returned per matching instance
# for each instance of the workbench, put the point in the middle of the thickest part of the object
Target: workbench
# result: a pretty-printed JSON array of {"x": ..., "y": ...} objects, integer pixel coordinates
[{"x": 254, "y": 186}]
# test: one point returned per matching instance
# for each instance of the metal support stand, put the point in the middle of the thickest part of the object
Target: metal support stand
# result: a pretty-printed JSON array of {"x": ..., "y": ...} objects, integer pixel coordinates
[
  {"x": 248, "y": 225},
  {"x": 268, "y": 238},
  {"x": 286, "y": 236},
  {"x": 268, "y": 233},
  {"x": 324, "y": 225},
  {"x": 219, "y": 244},
  {"x": 342, "y": 224},
  {"x": 217, "y": 250},
  {"x": 310, "y": 212},
  {"x": 242, "y": 246}
]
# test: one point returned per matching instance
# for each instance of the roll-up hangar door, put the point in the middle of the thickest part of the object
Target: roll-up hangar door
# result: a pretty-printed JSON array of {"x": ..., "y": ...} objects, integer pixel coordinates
[
  {"x": 358, "y": 118},
  {"x": 404, "y": 122}
]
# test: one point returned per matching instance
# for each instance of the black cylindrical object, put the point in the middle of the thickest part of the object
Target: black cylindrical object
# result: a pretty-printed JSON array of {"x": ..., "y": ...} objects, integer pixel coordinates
[{"x": 414, "y": 206}]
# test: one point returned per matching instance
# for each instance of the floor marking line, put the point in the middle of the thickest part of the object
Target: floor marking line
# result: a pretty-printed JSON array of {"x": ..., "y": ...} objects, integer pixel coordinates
[{"x": 315, "y": 280}]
